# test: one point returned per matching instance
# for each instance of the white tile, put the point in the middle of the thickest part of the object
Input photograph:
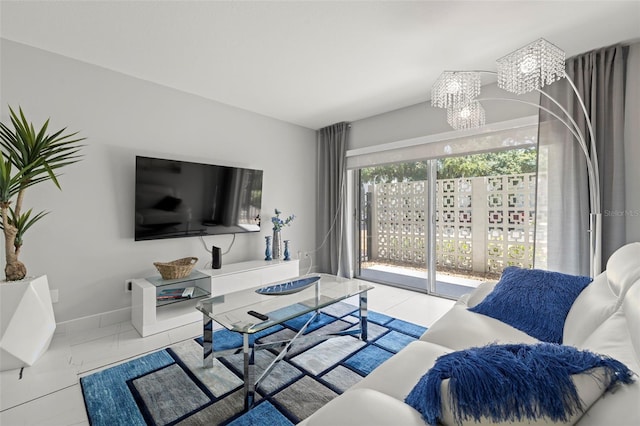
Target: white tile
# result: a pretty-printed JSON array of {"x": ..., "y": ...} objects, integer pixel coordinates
[
  {"x": 51, "y": 372},
  {"x": 423, "y": 310},
  {"x": 126, "y": 326},
  {"x": 87, "y": 336},
  {"x": 62, "y": 408},
  {"x": 131, "y": 342},
  {"x": 180, "y": 334},
  {"x": 385, "y": 297},
  {"x": 413, "y": 306},
  {"x": 116, "y": 349},
  {"x": 93, "y": 352}
]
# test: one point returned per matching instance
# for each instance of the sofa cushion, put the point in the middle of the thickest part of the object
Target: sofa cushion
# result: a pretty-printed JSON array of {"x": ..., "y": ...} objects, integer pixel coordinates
[
  {"x": 508, "y": 383},
  {"x": 631, "y": 308},
  {"x": 603, "y": 296},
  {"x": 613, "y": 338},
  {"x": 461, "y": 329},
  {"x": 618, "y": 337},
  {"x": 364, "y": 407},
  {"x": 399, "y": 374},
  {"x": 480, "y": 293},
  {"x": 533, "y": 300},
  {"x": 623, "y": 269},
  {"x": 591, "y": 308}
]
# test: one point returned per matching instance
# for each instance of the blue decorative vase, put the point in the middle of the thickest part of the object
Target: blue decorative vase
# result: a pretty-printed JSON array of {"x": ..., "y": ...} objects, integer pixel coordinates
[
  {"x": 286, "y": 250},
  {"x": 267, "y": 252}
]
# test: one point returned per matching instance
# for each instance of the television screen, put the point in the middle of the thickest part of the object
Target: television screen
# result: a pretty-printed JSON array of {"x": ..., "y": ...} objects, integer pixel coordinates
[{"x": 182, "y": 199}]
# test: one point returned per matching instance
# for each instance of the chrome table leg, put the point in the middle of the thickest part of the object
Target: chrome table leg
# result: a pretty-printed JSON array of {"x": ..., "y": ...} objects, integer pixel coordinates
[
  {"x": 363, "y": 316},
  {"x": 207, "y": 342},
  {"x": 249, "y": 372}
]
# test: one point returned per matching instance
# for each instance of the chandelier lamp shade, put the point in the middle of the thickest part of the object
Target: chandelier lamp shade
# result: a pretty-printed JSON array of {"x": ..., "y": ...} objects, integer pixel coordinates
[
  {"x": 527, "y": 69},
  {"x": 466, "y": 116},
  {"x": 532, "y": 67},
  {"x": 455, "y": 89}
]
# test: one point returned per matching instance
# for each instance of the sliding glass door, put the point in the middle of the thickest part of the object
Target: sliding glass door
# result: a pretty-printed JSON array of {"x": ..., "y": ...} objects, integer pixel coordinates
[
  {"x": 445, "y": 225},
  {"x": 393, "y": 228}
]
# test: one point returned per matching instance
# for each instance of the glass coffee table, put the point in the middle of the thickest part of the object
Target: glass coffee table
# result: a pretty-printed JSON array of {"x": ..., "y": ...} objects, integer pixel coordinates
[{"x": 253, "y": 310}]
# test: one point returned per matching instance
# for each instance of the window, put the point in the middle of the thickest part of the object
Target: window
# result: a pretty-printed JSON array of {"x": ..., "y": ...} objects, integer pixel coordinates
[{"x": 482, "y": 210}]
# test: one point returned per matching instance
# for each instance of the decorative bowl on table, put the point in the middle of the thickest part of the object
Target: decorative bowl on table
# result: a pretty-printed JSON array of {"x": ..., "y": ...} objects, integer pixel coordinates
[{"x": 288, "y": 287}]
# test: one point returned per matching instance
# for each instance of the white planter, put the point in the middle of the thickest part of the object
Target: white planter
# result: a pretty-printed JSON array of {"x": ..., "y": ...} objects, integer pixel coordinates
[{"x": 27, "y": 322}]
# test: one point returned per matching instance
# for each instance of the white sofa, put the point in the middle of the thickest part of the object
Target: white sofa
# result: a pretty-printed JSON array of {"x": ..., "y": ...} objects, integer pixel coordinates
[{"x": 604, "y": 318}]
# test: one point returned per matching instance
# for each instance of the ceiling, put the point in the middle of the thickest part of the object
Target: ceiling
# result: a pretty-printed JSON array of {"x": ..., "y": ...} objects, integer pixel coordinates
[{"x": 312, "y": 63}]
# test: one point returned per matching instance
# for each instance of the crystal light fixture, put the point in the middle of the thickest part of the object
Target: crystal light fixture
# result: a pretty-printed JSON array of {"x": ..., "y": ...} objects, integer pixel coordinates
[
  {"x": 455, "y": 88},
  {"x": 469, "y": 116},
  {"x": 531, "y": 67}
]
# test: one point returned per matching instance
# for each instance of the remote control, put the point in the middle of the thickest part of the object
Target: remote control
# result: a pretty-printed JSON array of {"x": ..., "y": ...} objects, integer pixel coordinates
[{"x": 258, "y": 315}]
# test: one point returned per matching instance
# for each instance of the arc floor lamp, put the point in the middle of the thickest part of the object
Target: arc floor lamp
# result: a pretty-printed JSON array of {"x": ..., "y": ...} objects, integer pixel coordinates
[{"x": 527, "y": 69}]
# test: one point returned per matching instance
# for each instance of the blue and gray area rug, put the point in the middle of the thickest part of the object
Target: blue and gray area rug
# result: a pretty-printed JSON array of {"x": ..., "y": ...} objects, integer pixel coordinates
[{"x": 170, "y": 387}]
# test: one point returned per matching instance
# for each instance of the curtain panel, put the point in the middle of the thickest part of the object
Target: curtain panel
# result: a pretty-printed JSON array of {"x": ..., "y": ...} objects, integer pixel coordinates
[
  {"x": 632, "y": 143},
  {"x": 562, "y": 240},
  {"x": 333, "y": 255}
]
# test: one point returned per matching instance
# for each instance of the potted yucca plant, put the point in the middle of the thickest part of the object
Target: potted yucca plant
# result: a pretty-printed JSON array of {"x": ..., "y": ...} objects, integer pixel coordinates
[{"x": 28, "y": 158}]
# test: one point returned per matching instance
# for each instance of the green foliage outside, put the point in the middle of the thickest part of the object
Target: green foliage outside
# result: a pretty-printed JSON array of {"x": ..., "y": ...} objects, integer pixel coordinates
[{"x": 514, "y": 161}]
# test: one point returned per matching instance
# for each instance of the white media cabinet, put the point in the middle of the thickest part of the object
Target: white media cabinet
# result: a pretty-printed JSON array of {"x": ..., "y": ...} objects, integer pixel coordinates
[{"x": 150, "y": 316}]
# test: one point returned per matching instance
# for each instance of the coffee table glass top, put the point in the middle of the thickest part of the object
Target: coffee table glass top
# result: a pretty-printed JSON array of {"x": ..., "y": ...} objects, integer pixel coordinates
[{"x": 231, "y": 310}]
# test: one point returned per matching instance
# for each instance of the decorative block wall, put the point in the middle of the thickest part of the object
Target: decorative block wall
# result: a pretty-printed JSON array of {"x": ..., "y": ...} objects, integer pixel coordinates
[{"x": 482, "y": 224}]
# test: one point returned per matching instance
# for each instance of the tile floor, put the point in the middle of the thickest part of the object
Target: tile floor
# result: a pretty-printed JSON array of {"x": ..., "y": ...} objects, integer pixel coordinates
[{"x": 49, "y": 392}]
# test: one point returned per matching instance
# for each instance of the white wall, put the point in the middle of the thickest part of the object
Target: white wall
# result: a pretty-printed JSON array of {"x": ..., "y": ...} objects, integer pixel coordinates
[
  {"x": 422, "y": 119},
  {"x": 85, "y": 245}
]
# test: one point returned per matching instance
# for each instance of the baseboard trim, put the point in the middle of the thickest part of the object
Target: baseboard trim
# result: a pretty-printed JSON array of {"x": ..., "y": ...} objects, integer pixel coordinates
[{"x": 103, "y": 319}]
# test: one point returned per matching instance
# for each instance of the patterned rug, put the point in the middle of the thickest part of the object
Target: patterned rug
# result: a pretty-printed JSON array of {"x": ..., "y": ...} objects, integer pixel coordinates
[{"x": 170, "y": 387}]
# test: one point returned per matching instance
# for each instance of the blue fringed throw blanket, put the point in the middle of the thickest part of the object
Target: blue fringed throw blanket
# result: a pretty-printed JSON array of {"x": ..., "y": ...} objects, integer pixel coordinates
[{"x": 511, "y": 382}]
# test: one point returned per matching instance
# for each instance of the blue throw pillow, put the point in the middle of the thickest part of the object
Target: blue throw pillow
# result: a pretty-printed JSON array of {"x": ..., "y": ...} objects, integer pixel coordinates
[{"x": 534, "y": 301}]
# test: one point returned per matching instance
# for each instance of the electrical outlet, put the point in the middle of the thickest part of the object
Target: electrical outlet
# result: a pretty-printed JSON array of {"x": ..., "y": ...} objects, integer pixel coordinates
[
  {"x": 127, "y": 285},
  {"x": 54, "y": 295}
]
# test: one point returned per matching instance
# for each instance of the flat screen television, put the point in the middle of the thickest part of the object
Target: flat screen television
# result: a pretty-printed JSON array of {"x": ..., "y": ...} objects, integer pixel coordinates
[{"x": 176, "y": 199}]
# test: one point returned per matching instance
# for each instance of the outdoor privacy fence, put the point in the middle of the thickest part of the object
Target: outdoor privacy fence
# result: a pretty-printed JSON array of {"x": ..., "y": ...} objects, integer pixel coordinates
[{"x": 482, "y": 224}]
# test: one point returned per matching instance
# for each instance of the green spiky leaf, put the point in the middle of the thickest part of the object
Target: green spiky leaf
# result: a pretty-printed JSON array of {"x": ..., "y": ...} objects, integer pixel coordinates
[
  {"x": 30, "y": 157},
  {"x": 23, "y": 222}
]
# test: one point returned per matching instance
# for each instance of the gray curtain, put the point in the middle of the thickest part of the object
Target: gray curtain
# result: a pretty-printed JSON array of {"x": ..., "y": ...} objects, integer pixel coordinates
[
  {"x": 632, "y": 143},
  {"x": 563, "y": 200},
  {"x": 333, "y": 255}
]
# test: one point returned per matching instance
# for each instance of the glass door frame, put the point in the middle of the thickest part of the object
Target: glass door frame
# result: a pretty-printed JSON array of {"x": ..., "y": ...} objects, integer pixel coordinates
[
  {"x": 430, "y": 232},
  {"x": 432, "y": 172}
]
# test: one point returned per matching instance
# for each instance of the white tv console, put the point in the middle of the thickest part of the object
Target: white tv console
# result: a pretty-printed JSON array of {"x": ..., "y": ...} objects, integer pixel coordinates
[{"x": 149, "y": 316}]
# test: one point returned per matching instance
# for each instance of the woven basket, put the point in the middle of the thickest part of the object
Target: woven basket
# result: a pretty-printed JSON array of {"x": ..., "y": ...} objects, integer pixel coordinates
[{"x": 177, "y": 268}]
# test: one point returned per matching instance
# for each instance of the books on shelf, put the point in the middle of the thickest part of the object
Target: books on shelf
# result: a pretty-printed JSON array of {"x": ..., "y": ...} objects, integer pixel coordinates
[{"x": 176, "y": 293}]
